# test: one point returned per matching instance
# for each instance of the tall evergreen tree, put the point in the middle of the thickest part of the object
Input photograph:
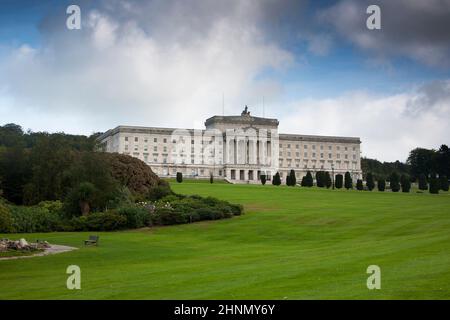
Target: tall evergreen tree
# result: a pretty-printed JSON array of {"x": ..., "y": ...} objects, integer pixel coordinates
[
  {"x": 443, "y": 182},
  {"x": 328, "y": 181},
  {"x": 292, "y": 178},
  {"x": 309, "y": 179},
  {"x": 394, "y": 182},
  {"x": 381, "y": 184},
  {"x": 348, "y": 183},
  {"x": 339, "y": 181},
  {"x": 359, "y": 185},
  {"x": 434, "y": 184},
  {"x": 288, "y": 180},
  {"x": 263, "y": 179},
  {"x": 179, "y": 177},
  {"x": 320, "y": 181},
  {"x": 423, "y": 184},
  {"x": 370, "y": 183},
  {"x": 276, "y": 181},
  {"x": 405, "y": 183}
]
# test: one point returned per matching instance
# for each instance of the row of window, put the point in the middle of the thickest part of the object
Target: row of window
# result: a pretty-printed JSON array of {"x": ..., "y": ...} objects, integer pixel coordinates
[
  {"x": 330, "y": 156},
  {"x": 297, "y": 146}
]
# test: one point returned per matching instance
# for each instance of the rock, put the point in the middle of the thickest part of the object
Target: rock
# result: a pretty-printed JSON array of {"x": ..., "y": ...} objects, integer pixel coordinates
[{"x": 23, "y": 243}]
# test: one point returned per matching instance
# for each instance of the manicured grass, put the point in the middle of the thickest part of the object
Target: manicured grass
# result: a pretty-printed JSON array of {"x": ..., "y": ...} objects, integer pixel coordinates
[
  {"x": 18, "y": 253},
  {"x": 292, "y": 243}
]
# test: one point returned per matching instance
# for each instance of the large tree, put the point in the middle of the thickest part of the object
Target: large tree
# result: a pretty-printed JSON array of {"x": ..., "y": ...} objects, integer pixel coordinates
[
  {"x": 443, "y": 183},
  {"x": 292, "y": 178},
  {"x": 422, "y": 161},
  {"x": 381, "y": 184}
]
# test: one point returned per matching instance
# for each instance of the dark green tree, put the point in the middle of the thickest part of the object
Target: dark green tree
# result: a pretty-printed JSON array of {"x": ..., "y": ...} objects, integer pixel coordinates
[
  {"x": 359, "y": 185},
  {"x": 309, "y": 182},
  {"x": 348, "y": 182},
  {"x": 370, "y": 183},
  {"x": 320, "y": 179},
  {"x": 263, "y": 179},
  {"x": 276, "y": 181},
  {"x": 179, "y": 177},
  {"x": 423, "y": 184},
  {"x": 211, "y": 178},
  {"x": 405, "y": 182},
  {"x": 339, "y": 181},
  {"x": 394, "y": 182},
  {"x": 381, "y": 184},
  {"x": 443, "y": 183},
  {"x": 292, "y": 178},
  {"x": 434, "y": 184},
  {"x": 328, "y": 181}
]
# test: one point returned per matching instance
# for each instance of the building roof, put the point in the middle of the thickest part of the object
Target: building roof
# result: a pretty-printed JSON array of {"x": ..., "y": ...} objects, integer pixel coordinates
[{"x": 245, "y": 119}]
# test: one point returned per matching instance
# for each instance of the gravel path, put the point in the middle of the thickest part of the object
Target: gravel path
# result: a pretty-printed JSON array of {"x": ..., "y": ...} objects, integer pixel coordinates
[{"x": 54, "y": 249}]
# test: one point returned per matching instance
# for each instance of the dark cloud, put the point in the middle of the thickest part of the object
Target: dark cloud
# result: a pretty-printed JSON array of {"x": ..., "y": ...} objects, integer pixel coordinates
[{"x": 410, "y": 28}]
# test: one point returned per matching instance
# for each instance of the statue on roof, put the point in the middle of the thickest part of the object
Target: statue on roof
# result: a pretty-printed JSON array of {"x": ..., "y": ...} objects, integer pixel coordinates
[{"x": 245, "y": 112}]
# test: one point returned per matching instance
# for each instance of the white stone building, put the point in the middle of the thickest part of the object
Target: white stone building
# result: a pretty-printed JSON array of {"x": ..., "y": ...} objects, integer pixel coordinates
[{"x": 236, "y": 148}]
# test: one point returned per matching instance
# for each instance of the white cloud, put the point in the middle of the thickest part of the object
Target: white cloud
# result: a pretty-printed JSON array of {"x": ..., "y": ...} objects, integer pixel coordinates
[
  {"x": 385, "y": 124},
  {"x": 129, "y": 70}
]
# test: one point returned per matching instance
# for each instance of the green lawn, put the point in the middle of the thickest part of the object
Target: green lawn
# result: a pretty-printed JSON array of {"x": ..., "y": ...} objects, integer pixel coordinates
[{"x": 292, "y": 243}]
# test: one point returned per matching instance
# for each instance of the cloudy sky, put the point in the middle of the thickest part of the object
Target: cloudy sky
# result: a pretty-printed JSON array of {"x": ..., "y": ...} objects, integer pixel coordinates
[{"x": 315, "y": 65}]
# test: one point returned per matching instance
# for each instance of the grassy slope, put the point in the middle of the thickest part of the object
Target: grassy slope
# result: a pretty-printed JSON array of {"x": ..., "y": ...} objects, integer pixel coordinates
[{"x": 293, "y": 243}]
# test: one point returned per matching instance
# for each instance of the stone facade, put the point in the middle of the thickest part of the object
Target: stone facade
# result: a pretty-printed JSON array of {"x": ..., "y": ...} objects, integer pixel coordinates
[{"x": 236, "y": 148}]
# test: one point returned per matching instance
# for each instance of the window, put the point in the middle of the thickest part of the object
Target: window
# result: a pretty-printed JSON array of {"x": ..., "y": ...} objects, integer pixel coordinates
[
  {"x": 136, "y": 139},
  {"x": 165, "y": 149},
  {"x": 165, "y": 140},
  {"x": 314, "y": 147},
  {"x": 288, "y": 154},
  {"x": 346, "y": 156},
  {"x": 296, "y": 146},
  {"x": 281, "y": 146},
  {"x": 338, "y": 148},
  {"x": 126, "y": 147},
  {"x": 297, "y": 154},
  {"x": 329, "y": 156},
  {"x": 155, "y": 148},
  {"x": 306, "y": 155},
  {"x": 155, "y": 139},
  {"x": 314, "y": 155},
  {"x": 321, "y": 147},
  {"x": 305, "y": 146},
  {"x": 126, "y": 138},
  {"x": 338, "y": 155},
  {"x": 329, "y": 148},
  {"x": 354, "y": 157},
  {"x": 321, "y": 155},
  {"x": 345, "y": 148},
  {"x": 289, "y": 145}
]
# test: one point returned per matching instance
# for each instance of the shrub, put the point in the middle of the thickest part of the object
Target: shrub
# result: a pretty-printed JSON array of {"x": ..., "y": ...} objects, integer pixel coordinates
[
  {"x": 211, "y": 179},
  {"x": 405, "y": 183},
  {"x": 105, "y": 221},
  {"x": 394, "y": 182},
  {"x": 370, "y": 183},
  {"x": 136, "y": 217},
  {"x": 348, "y": 182},
  {"x": 339, "y": 181},
  {"x": 263, "y": 179},
  {"x": 168, "y": 216},
  {"x": 443, "y": 182},
  {"x": 52, "y": 206},
  {"x": 381, "y": 184},
  {"x": 179, "y": 177},
  {"x": 34, "y": 219},
  {"x": 159, "y": 192},
  {"x": 6, "y": 220},
  {"x": 423, "y": 184},
  {"x": 359, "y": 185}
]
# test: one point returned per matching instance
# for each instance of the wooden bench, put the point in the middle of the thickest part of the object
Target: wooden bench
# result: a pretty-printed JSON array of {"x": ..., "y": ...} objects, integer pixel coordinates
[{"x": 93, "y": 240}]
